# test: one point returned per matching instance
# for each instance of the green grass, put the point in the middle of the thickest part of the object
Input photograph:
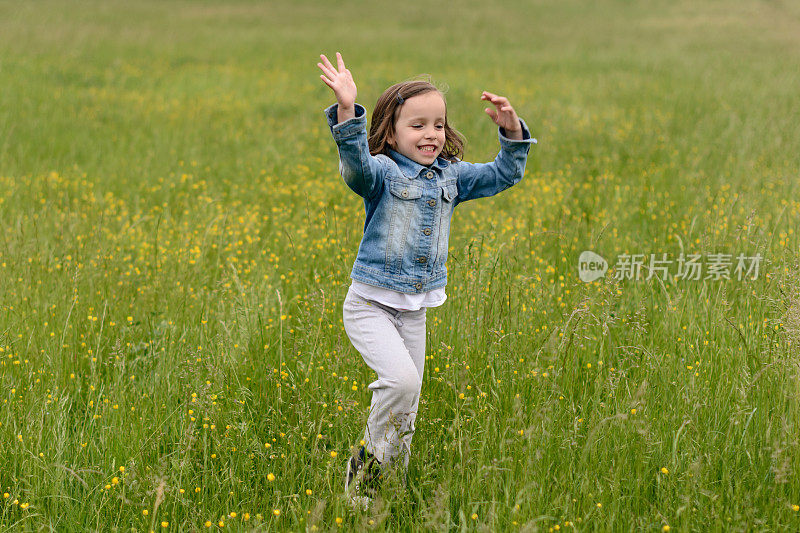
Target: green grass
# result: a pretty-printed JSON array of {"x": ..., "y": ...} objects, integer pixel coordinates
[{"x": 176, "y": 245}]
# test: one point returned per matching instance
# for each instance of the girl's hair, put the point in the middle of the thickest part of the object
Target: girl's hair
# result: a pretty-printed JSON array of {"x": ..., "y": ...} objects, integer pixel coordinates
[{"x": 388, "y": 109}]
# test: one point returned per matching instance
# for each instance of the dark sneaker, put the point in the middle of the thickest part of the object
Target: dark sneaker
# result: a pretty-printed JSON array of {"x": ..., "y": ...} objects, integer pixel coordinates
[{"x": 362, "y": 478}]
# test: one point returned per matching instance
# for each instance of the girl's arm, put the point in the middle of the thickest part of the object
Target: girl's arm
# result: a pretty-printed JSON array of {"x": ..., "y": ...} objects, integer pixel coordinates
[
  {"x": 362, "y": 172},
  {"x": 479, "y": 180}
]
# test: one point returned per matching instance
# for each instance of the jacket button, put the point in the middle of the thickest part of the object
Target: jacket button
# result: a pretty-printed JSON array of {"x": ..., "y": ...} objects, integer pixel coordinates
[
  {"x": 422, "y": 259},
  {"x": 405, "y": 193},
  {"x": 431, "y": 203},
  {"x": 418, "y": 286},
  {"x": 427, "y": 231},
  {"x": 429, "y": 175}
]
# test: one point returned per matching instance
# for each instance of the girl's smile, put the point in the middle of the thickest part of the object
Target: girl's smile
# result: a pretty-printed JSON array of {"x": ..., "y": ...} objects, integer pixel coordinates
[{"x": 419, "y": 130}]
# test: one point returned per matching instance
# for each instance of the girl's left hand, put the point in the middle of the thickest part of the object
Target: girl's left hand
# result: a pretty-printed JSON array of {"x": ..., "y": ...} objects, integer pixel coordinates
[{"x": 504, "y": 116}]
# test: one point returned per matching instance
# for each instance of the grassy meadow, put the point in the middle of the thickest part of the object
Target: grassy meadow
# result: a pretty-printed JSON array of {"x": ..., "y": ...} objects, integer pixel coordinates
[{"x": 176, "y": 247}]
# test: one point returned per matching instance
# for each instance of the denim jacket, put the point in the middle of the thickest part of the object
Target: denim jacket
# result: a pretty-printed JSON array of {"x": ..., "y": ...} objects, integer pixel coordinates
[{"x": 409, "y": 206}]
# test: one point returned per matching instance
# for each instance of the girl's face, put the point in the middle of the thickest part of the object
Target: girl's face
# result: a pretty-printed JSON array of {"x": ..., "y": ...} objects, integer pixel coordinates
[{"x": 419, "y": 129}]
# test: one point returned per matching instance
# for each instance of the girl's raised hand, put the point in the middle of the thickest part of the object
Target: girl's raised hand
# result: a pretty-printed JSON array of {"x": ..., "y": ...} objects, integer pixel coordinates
[
  {"x": 340, "y": 80},
  {"x": 504, "y": 115}
]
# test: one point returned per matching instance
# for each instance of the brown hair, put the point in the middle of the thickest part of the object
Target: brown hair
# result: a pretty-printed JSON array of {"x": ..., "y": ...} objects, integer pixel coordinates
[{"x": 387, "y": 109}]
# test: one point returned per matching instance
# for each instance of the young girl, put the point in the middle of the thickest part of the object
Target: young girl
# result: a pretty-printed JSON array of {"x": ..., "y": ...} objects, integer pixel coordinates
[{"x": 409, "y": 172}]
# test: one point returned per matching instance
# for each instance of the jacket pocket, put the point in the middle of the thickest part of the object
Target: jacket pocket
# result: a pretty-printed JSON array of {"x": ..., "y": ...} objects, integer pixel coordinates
[
  {"x": 450, "y": 191},
  {"x": 405, "y": 191}
]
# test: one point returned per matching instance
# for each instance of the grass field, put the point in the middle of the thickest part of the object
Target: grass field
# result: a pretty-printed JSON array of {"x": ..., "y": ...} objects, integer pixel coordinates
[{"x": 176, "y": 246}]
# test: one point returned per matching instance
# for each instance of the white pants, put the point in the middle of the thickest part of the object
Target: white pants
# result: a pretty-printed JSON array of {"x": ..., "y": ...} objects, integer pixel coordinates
[{"x": 392, "y": 344}]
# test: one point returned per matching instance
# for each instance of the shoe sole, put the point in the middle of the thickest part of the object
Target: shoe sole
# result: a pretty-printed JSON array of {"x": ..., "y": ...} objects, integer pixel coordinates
[{"x": 349, "y": 476}]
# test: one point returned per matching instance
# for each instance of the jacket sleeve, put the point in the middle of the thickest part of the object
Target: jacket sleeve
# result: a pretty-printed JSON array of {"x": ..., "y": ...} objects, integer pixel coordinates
[
  {"x": 362, "y": 172},
  {"x": 479, "y": 180}
]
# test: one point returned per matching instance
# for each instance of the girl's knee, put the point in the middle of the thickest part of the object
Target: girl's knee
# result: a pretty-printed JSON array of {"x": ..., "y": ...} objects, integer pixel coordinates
[{"x": 408, "y": 383}]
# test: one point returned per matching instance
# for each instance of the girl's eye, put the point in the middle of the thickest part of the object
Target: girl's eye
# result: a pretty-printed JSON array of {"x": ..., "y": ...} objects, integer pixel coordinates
[
  {"x": 440, "y": 126},
  {"x": 416, "y": 126}
]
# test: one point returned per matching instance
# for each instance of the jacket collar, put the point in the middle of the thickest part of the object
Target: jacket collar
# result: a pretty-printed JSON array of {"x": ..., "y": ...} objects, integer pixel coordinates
[{"x": 411, "y": 168}]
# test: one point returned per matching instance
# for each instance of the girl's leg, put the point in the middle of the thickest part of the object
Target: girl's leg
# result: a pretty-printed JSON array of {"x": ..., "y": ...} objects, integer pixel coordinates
[
  {"x": 413, "y": 333},
  {"x": 374, "y": 332}
]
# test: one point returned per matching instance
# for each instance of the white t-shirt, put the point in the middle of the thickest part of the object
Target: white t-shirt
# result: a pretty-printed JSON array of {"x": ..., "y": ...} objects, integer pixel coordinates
[{"x": 400, "y": 300}]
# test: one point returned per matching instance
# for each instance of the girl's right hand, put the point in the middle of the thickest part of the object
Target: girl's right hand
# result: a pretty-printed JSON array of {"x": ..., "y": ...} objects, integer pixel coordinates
[{"x": 340, "y": 80}]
